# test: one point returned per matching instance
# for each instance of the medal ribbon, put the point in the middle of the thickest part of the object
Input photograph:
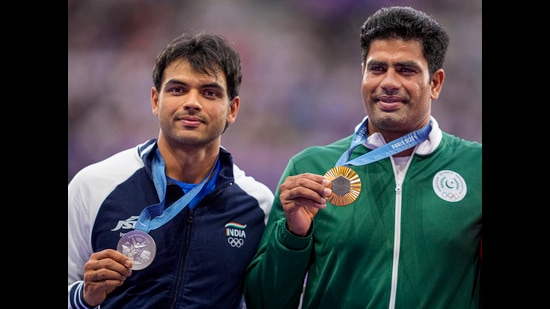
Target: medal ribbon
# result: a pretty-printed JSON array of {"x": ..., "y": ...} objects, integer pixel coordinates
[
  {"x": 396, "y": 146},
  {"x": 155, "y": 216}
]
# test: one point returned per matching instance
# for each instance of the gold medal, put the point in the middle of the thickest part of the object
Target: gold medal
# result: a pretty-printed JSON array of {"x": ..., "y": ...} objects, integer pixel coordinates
[{"x": 345, "y": 185}]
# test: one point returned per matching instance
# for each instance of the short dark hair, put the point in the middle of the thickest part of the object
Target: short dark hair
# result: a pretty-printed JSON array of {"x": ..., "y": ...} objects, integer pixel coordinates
[
  {"x": 207, "y": 53},
  {"x": 409, "y": 24}
]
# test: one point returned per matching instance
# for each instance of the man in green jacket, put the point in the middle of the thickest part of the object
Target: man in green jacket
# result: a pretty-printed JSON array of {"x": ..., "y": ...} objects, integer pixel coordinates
[{"x": 389, "y": 216}]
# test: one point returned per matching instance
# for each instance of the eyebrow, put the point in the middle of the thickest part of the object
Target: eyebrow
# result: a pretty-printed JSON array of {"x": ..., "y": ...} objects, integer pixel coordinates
[
  {"x": 407, "y": 63},
  {"x": 207, "y": 85}
]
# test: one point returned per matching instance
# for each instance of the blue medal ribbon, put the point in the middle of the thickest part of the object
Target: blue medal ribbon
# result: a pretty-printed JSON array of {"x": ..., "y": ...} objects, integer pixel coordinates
[
  {"x": 396, "y": 146},
  {"x": 155, "y": 216}
]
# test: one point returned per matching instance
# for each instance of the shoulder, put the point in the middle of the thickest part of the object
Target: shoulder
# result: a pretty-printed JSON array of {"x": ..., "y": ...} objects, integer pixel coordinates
[
  {"x": 317, "y": 159},
  {"x": 254, "y": 188},
  {"x": 334, "y": 149},
  {"x": 250, "y": 184},
  {"x": 456, "y": 142},
  {"x": 97, "y": 180},
  {"x": 446, "y": 143},
  {"x": 118, "y": 165},
  {"x": 461, "y": 152}
]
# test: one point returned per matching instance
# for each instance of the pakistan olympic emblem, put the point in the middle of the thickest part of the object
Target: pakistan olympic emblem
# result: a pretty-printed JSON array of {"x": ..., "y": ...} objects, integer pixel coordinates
[{"x": 449, "y": 186}]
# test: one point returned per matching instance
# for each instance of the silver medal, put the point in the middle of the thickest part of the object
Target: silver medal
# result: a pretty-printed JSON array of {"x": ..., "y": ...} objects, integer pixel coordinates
[{"x": 138, "y": 246}]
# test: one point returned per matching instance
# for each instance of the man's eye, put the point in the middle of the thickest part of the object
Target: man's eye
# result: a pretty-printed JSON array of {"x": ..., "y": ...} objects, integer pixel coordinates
[
  {"x": 210, "y": 93},
  {"x": 376, "y": 69},
  {"x": 407, "y": 71}
]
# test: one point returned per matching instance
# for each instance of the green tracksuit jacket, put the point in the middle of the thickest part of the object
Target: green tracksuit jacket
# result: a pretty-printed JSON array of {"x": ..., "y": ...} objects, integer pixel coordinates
[{"x": 410, "y": 243}]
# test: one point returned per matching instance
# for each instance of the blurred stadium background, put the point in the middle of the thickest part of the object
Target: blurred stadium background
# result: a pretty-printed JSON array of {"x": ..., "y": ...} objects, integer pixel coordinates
[{"x": 301, "y": 62}]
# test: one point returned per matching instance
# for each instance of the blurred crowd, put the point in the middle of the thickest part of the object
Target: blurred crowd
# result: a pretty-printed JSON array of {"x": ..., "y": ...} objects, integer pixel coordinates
[{"x": 301, "y": 62}]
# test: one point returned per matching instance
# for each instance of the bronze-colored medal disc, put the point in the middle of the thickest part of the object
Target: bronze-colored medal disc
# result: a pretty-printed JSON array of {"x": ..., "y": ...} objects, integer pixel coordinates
[{"x": 345, "y": 185}]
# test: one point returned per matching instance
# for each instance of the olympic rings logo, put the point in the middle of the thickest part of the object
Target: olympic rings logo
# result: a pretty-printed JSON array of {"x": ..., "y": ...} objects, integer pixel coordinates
[
  {"x": 450, "y": 196},
  {"x": 235, "y": 242}
]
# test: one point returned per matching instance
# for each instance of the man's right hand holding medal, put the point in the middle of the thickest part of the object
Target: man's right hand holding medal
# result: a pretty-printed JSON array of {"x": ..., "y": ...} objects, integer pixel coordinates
[
  {"x": 104, "y": 271},
  {"x": 301, "y": 197}
]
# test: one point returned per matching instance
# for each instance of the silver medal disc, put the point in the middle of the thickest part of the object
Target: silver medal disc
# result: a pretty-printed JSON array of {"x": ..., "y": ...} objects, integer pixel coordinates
[{"x": 138, "y": 246}]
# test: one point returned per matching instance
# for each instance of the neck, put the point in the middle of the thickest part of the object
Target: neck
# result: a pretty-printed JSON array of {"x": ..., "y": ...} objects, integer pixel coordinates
[
  {"x": 405, "y": 153},
  {"x": 190, "y": 165},
  {"x": 391, "y": 136}
]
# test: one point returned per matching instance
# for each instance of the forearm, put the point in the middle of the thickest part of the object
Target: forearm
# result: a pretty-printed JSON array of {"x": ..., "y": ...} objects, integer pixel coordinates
[{"x": 276, "y": 275}]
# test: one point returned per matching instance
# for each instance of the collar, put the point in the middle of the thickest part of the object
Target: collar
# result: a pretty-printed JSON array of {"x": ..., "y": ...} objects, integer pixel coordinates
[{"x": 426, "y": 147}]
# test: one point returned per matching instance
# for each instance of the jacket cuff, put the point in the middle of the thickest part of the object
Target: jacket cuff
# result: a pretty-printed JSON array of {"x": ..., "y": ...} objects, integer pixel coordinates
[
  {"x": 76, "y": 298},
  {"x": 291, "y": 241}
]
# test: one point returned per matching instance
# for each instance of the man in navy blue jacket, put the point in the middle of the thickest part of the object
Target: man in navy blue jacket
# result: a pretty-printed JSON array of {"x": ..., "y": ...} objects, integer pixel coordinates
[{"x": 172, "y": 222}]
